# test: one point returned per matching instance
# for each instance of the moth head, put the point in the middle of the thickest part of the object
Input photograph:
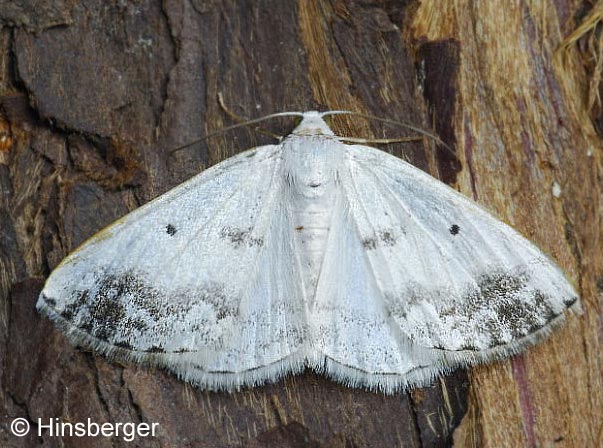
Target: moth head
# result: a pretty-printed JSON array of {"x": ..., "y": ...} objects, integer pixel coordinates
[{"x": 312, "y": 124}]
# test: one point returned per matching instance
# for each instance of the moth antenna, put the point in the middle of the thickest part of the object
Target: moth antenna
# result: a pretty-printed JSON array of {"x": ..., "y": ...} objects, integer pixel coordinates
[
  {"x": 242, "y": 120},
  {"x": 388, "y": 121},
  {"x": 384, "y": 141},
  {"x": 239, "y": 125}
]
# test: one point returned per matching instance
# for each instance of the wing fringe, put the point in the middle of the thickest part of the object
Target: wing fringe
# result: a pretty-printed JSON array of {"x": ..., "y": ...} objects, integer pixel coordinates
[{"x": 301, "y": 360}]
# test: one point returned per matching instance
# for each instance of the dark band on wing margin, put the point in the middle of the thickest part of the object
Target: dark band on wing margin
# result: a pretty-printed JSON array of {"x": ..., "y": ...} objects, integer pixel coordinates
[{"x": 120, "y": 345}]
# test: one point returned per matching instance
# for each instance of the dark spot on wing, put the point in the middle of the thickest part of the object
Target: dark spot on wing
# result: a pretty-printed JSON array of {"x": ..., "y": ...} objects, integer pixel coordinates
[
  {"x": 299, "y": 228},
  {"x": 72, "y": 308},
  {"x": 135, "y": 324},
  {"x": 387, "y": 237},
  {"x": 314, "y": 184},
  {"x": 570, "y": 301},
  {"x": 468, "y": 347},
  {"x": 240, "y": 237},
  {"x": 104, "y": 311},
  {"x": 494, "y": 286},
  {"x": 508, "y": 296},
  {"x": 498, "y": 308},
  {"x": 124, "y": 345},
  {"x": 383, "y": 237},
  {"x": 170, "y": 229},
  {"x": 49, "y": 300},
  {"x": 223, "y": 307},
  {"x": 155, "y": 349},
  {"x": 454, "y": 229},
  {"x": 369, "y": 243},
  {"x": 120, "y": 309}
]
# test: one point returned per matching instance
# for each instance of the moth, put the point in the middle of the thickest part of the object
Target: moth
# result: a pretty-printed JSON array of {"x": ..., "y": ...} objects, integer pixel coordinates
[{"x": 310, "y": 253}]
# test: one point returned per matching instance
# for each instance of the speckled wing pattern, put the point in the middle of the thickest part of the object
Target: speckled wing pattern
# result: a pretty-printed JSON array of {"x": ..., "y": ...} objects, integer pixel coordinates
[
  {"x": 423, "y": 280},
  {"x": 192, "y": 281},
  {"x": 310, "y": 253}
]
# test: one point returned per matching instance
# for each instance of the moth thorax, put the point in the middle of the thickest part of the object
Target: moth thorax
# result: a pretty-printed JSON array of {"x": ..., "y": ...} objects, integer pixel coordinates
[{"x": 311, "y": 165}]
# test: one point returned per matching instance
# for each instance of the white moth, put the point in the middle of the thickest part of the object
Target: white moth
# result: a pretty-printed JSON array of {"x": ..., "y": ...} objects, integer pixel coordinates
[{"x": 308, "y": 253}]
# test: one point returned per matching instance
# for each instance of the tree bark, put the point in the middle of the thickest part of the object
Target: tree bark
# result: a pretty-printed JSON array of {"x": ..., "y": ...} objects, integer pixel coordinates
[{"x": 95, "y": 96}]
